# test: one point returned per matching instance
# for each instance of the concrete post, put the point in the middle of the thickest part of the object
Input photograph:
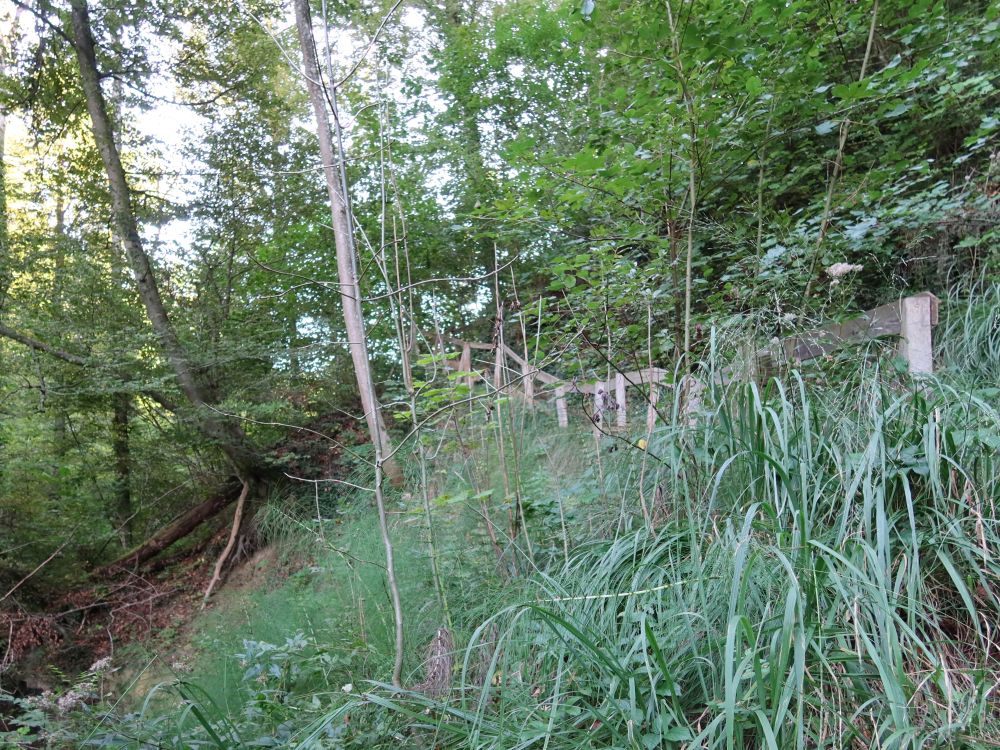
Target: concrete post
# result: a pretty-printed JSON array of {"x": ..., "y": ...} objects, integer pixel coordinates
[
  {"x": 622, "y": 420},
  {"x": 600, "y": 399},
  {"x": 654, "y": 396},
  {"x": 916, "y": 343},
  {"x": 528, "y": 381},
  {"x": 562, "y": 413}
]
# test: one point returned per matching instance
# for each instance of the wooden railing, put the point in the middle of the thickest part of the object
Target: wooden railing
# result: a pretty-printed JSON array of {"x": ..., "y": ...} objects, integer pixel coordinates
[{"x": 912, "y": 319}]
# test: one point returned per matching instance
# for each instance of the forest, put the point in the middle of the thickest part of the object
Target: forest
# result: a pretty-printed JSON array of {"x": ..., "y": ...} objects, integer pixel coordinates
[{"x": 500, "y": 374}]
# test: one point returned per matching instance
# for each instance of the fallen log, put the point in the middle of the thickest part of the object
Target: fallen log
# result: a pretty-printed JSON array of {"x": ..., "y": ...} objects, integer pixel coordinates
[{"x": 175, "y": 530}]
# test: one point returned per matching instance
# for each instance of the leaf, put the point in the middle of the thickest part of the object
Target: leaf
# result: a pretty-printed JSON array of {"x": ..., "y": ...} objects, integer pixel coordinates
[
  {"x": 677, "y": 734},
  {"x": 898, "y": 110},
  {"x": 587, "y": 9},
  {"x": 825, "y": 127}
]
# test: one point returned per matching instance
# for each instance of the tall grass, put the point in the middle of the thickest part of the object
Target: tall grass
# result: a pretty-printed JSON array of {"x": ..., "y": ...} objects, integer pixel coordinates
[{"x": 822, "y": 574}]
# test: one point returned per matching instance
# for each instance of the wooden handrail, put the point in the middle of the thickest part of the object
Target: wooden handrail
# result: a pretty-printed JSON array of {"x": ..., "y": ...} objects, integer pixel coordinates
[{"x": 911, "y": 318}]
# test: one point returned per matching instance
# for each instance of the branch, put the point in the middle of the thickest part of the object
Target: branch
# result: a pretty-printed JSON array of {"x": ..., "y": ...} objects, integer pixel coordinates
[
  {"x": 41, "y": 346},
  {"x": 75, "y": 359},
  {"x": 40, "y": 15}
]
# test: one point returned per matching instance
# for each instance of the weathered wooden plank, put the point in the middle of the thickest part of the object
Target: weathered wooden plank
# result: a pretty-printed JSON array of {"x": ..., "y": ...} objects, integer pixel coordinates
[
  {"x": 885, "y": 320},
  {"x": 620, "y": 404},
  {"x": 882, "y": 321},
  {"x": 541, "y": 375},
  {"x": 470, "y": 344},
  {"x": 562, "y": 413}
]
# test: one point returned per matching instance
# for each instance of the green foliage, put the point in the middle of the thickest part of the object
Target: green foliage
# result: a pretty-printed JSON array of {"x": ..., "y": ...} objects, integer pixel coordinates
[
  {"x": 821, "y": 574},
  {"x": 821, "y": 571}
]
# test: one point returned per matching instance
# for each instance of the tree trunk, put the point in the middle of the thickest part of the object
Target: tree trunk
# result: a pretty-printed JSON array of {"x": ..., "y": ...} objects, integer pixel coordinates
[
  {"x": 228, "y": 435},
  {"x": 6, "y": 56},
  {"x": 350, "y": 295},
  {"x": 122, "y": 513},
  {"x": 4, "y": 234},
  {"x": 350, "y": 289}
]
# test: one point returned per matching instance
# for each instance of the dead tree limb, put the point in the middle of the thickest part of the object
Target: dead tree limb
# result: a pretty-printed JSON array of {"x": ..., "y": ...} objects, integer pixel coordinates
[
  {"x": 75, "y": 359},
  {"x": 41, "y": 346},
  {"x": 234, "y": 532}
]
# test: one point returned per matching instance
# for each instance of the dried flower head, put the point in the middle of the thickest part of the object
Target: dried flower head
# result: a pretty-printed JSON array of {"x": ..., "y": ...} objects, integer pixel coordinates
[
  {"x": 837, "y": 270},
  {"x": 101, "y": 665}
]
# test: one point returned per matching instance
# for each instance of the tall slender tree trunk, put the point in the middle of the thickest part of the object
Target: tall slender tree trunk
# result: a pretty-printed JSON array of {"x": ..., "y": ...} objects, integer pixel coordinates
[
  {"x": 228, "y": 435},
  {"x": 122, "y": 511},
  {"x": 350, "y": 296},
  {"x": 121, "y": 514},
  {"x": 60, "y": 433},
  {"x": 4, "y": 252},
  {"x": 5, "y": 279},
  {"x": 350, "y": 288},
  {"x": 4, "y": 234}
]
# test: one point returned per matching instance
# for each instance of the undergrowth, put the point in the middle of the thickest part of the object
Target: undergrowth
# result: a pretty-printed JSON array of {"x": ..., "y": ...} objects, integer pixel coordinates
[{"x": 807, "y": 564}]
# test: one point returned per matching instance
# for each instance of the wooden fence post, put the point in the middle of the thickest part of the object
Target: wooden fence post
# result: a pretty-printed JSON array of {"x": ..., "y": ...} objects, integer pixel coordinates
[
  {"x": 622, "y": 420},
  {"x": 916, "y": 319},
  {"x": 561, "y": 412},
  {"x": 528, "y": 381},
  {"x": 465, "y": 365}
]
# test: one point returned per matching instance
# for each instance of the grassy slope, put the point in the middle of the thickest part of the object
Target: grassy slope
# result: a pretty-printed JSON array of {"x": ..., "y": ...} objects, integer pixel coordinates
[{"x": 822, "y": 572}]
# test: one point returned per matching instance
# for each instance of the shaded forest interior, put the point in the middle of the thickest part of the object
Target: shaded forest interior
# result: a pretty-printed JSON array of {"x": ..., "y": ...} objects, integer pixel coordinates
[{"x": 316, "y": 325}]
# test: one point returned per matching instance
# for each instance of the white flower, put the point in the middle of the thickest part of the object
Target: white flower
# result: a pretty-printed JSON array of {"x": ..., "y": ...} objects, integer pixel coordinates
[
  {"x": 348, "y": 688},
  {"x": 842, "y": 269},
  {"x": 69, "y": 701},
  {"x": 100, "y": 665}
]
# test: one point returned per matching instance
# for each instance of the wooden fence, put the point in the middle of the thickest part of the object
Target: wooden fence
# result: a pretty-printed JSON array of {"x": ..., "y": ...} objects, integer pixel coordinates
[{"x": 912, "y": 319}]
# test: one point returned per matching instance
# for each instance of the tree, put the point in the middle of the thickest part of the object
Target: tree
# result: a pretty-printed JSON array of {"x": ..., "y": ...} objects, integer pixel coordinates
[
  {"x": 350, "y": 294},
  {"x": 244, "y": 458}
]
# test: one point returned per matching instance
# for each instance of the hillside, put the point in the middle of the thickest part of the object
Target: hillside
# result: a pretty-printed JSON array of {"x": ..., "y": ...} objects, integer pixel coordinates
[{"x": 444, "y": 373}]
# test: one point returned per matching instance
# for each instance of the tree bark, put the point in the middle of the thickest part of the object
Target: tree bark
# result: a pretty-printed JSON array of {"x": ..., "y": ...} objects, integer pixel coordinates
[
  {"x": 228, "y": 435},
  {"x": 4, "y": 233},
  {"x": 122, "y": 513},
  {"x": 350, "y": 289},
  {"x": 6, "y": 55}
]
